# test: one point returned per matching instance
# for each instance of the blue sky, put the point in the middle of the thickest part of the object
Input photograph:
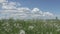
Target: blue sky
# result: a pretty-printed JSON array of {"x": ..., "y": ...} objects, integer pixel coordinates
[
  {"x": 52, "y": 6},
  {"x": 45, "y": 5}
]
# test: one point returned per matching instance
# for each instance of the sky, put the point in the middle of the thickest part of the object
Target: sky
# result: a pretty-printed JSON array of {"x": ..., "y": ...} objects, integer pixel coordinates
[{"x": 29, "y": 8}]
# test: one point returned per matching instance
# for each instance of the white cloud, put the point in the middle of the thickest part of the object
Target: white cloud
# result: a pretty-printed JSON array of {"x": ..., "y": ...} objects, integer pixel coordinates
[
  {"x": 10, "y": 5},
  {"x": 11, "y": 9},
  {"x": 47, "y": 14},
  {"x": 22, "y": 9},
  {"x": 1, "y": 1},
  {"x": 35, "y": 10}
]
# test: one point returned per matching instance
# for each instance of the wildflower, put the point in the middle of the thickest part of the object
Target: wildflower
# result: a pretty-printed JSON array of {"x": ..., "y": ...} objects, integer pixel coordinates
[
  {"x": 58, "y": 30},
  {"x": 22, "y": 32},
  {"x": 31, "y": 27}
]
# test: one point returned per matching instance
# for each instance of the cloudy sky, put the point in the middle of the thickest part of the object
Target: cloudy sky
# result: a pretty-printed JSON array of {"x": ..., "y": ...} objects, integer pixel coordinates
[{"x": 29, "y": 8}]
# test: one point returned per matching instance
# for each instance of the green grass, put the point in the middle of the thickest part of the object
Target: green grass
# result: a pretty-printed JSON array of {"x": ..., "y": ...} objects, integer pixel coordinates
[{"x": 11, "y": 26}]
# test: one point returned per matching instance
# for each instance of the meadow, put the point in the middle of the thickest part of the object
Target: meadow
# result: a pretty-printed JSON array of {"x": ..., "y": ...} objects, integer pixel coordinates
[{"x": 30, "y": 26}]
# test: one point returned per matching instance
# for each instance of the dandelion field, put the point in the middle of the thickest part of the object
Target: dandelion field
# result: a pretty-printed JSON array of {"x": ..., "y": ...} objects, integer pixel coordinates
[{"x": 11, "y": 26}]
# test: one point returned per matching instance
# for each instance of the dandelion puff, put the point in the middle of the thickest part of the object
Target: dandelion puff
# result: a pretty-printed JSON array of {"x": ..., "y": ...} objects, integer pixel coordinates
[
  {"x": 41, "y": 32},
  {"x": 47, "y": 32},
  {"x": 30, "y": 27},
  {"x": 58, "y": 30},
  {"x": 22, "y": 32},
  {"x": 50, "y": 32}
]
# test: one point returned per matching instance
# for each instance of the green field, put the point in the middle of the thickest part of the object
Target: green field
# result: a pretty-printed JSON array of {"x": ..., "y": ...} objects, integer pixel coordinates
[{"x": 30, "y": 26}]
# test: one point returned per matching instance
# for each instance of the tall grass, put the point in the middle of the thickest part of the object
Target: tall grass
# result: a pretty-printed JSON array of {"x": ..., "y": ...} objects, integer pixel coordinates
[{"x": 34, "y": 26}]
